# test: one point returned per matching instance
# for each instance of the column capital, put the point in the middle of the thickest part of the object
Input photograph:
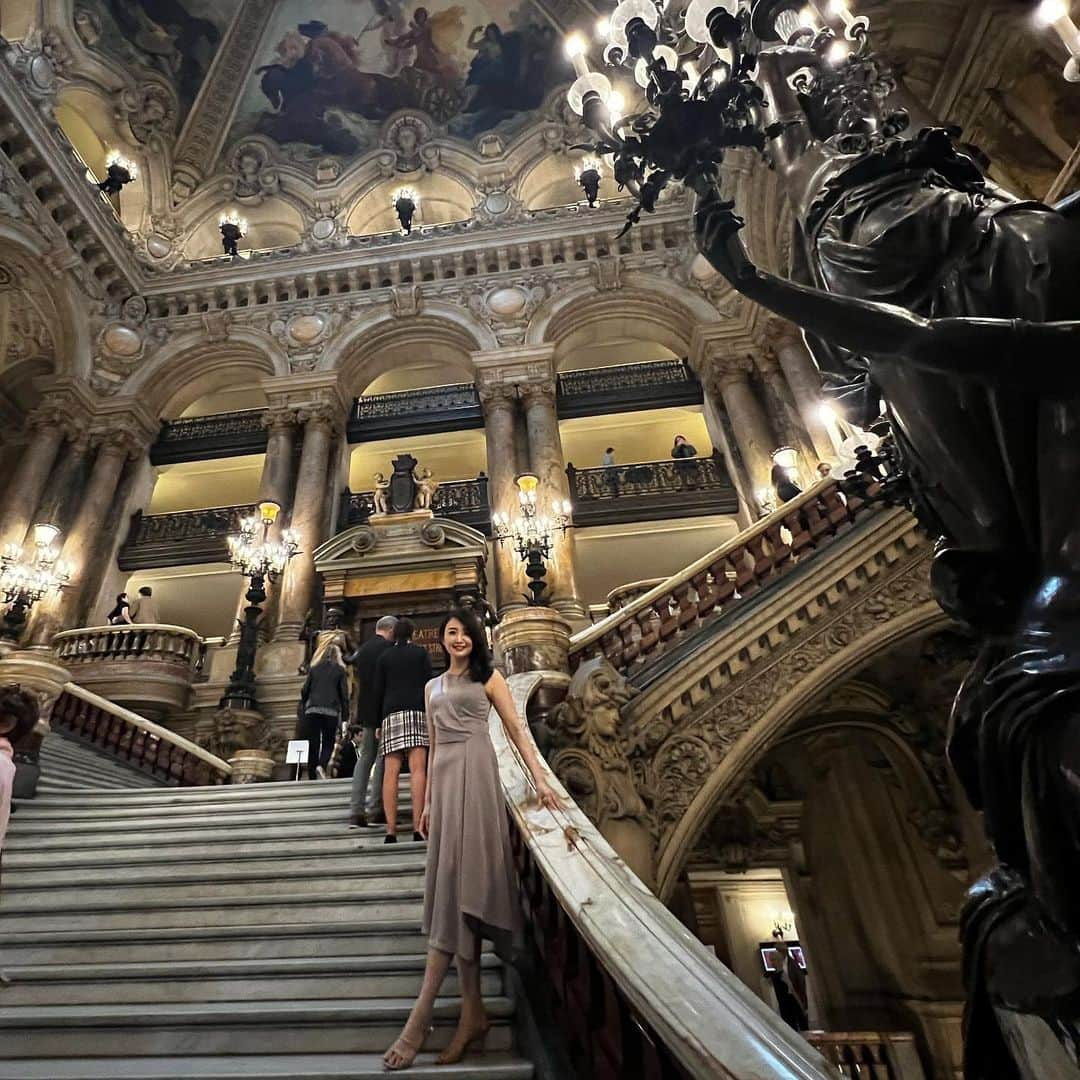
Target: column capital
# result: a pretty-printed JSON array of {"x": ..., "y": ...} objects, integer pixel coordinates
[
  {"x": 514, "y": 366},
  {"x": 124, "y": 424},
  {"x": 538, "y": 391},
  {"x": 779, "y": 334},
  {"x": 723, "y": 371},
  {"x": 321, "y": 414},
  {"x": 498, "y": 395},
  {"x": 279, "y": 418},
  {"x": 306, "y": 391}
]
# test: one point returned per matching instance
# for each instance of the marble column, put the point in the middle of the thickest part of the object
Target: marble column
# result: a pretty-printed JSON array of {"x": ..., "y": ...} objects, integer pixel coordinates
[
  {"x": 87, "y": 538},
  {"x": 32, "y": 473},
  {"x": 546, "y": 459},
  {"x": 59, "y": 501},
  {"x": 500, "y": 424},
  {"x": 275, "y": 485},
  {"x": 785, "y": 340},
  {"x": 786, "y": 419},
  {"x": 298, "y": 584},
  {"x": 756, "y": 441}
]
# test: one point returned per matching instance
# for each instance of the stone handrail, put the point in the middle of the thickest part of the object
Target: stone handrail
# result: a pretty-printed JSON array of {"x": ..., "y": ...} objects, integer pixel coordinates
[
  {"x": 137, "y": 740},
  {"x": 635, "y": 987},
  {"x": 154, "y": 641},
  {"x": 713, "y": 584}
]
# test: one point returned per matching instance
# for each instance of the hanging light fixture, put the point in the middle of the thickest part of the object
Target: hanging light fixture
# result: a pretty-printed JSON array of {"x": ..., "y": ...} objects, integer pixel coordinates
[
  {"x": 233, "y": 229},
  {"x": 118, "y": 172},
  {"x": 27, "y": 577},
  {"x": 588, "y": 174},
  {"x": 405, "y": 201}
]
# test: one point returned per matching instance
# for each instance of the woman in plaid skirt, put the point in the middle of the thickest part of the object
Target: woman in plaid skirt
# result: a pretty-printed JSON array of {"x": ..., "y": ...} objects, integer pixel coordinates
[{"x": 401, "y": 674}]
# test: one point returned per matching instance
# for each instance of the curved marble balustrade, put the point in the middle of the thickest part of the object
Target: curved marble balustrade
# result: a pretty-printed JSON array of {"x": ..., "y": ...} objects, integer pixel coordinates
[
  {"x": 718, "y": 581},
  {"x": 140, "y": 742},
  {"x": 148, "y": 667},
  {"x": 638, "y": 994}
]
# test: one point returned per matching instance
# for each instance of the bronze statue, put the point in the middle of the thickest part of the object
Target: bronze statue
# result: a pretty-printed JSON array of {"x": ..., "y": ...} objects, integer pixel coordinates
[{"x": 958, "y": 305}]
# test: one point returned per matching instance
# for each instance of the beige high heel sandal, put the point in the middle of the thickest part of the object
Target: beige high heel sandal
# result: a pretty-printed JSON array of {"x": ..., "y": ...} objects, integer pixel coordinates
[{"x": 409, "y": 1048}]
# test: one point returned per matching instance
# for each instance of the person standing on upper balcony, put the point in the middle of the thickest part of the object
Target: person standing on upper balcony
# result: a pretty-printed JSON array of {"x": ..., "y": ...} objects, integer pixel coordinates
[
  {"x": 685, "y": 469},
  {"x": 365, "y": 805},
  {"x": 145, "y": 609},
  {"x": 608, "y": 460},
  {"x": 400, "y": 677},
  {"x": 121, "y": 614},
  {"x": 683, "y": 448},
  {"x": 19, "y": 713}
]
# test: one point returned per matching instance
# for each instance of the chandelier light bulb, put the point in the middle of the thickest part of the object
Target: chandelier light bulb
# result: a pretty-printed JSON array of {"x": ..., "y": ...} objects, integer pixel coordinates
[
  {"x": 697, "y": 17},
  {"x": 45, "y": 535},
  {"x": 576, "y": 47},
  {"x": 838, "y": 52},
  {"x": 1055, "y": 13},
  {"x": 1049, "y": 11},
  {"x": 808, "y": 17},
  {"x": 603, "y": 26},
  {"x": 625, "y": 13}
]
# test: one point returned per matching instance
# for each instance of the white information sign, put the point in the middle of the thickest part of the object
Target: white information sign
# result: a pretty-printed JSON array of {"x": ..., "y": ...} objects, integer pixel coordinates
[{"x": 297, "y": 752}]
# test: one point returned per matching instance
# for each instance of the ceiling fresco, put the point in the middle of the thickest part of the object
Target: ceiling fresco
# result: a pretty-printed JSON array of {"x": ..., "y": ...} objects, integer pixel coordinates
[
  {"x": 328, "y": 74},
  {"x": 175, "y": 38}
]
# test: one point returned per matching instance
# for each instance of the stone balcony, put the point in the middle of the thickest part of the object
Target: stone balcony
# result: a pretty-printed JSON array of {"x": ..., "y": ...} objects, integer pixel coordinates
[{"x": 146, "y": 667}]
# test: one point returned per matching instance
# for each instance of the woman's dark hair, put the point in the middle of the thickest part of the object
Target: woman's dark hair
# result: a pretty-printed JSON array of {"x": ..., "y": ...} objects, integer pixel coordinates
[
  {"x": 20, "y": 706},
  {"x": 121, "y": 603},
  {"x": 403, "y": 631},
  {"x": 480, "y": 666}
]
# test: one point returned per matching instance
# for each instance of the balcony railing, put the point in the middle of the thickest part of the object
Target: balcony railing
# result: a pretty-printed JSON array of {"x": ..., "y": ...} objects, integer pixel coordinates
[
  {"x": 455, "y": 407},
  {"x": 869, "y": 1055},
  {"x": 465, "y": 501},
  {"x": 651, "y": 490},
  {"x": 181, "y": 538},
  {"x": 204, "y": 438},
  {"x": 149, "y": 667},
  {"x": 627, "y": 387}
]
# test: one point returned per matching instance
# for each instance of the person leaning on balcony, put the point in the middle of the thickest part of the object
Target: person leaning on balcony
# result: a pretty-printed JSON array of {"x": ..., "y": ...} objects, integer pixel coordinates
[
  {"x": 682, "y": 452},
  {"x": 145, "y": 609},
  {"x": 365, "y": 807},
  {"x": 324, "y": 704},
  {"x": 19, "y": 712},
  {"x": 121, "y": 614},
  {"x": 608, "y": 462}
]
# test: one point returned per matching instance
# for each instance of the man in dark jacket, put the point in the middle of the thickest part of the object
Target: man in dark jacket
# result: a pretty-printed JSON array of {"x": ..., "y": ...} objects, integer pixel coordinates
[{"x": 366, "y": 808}]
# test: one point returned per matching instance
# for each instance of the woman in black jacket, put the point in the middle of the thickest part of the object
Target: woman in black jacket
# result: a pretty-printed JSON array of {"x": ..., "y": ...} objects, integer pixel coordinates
[
  {"x": 324, "y": 704},
  {"x": 401, "y": 674}
]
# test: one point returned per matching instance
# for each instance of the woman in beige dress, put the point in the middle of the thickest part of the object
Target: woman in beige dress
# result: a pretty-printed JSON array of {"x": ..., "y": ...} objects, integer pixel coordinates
[{"x": 470, "y": 892}]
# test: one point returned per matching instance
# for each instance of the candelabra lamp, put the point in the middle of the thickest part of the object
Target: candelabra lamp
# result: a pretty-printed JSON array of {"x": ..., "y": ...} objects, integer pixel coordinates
[
  {"x": 233, "y": 228},
  {"x": 260, "y": 558},
  {"x": 119, "y": 171},
  {"x": 27, "y": 577},
  {"x": 532, "y": 534},
  {"x": 406, "y": 201}
]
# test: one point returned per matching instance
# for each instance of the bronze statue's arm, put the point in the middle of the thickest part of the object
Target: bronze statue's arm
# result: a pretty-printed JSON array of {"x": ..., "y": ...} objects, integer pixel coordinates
[{"x": 1038, "y": 355}]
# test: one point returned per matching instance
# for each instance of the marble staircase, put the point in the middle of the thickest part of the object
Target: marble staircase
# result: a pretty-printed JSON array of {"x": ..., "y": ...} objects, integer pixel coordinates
[{"x": 217, "y": 932}]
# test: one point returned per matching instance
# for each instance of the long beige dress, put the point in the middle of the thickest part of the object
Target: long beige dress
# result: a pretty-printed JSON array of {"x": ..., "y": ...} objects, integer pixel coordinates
[{"x": 470, "y": 889}]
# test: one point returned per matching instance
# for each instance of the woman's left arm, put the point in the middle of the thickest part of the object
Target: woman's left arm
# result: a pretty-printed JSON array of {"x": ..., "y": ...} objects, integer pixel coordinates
[{"x": 499, "y": 695}]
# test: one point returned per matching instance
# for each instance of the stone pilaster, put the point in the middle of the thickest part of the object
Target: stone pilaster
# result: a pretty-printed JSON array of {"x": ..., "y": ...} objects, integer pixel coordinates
[
  {"x": 784, "y": 416},
  {"x": 785, "y": 340},
  {"x": 47, "y": 434},
  {"x": 547, "y": 460},
  {"x": 729, "y": 380},
  {"x": 93, "y": 532},
  {"x": 59, "y": 501},
  {"x": 320, "y": 422},
  {"x": 500, "y": 424}
]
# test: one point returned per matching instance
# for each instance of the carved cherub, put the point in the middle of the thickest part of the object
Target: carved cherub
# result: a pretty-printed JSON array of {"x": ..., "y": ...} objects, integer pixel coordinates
[
  {"x": 381, "y": 494},
  {"x": 426, "y": 486}
]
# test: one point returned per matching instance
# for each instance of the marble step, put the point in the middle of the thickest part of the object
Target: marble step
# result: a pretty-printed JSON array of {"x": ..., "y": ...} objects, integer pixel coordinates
[
  {"x": 264, "y": 1067},
  {"x": 251, "y": 941},
  {"x": 237, "y": 1027},
  {"x": 280, "y": 979},
  {"x": 50, "y": 852},
  {"x": 225, "y": 879},
  {"x": 217, "y": 793},
  {"x": 348, "y": 904}
]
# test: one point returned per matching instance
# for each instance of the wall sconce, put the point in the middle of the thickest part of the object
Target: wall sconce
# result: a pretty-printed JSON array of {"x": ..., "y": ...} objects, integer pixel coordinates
[
  {"x": 533, "y": 534},
  {"x": 233, "y": 228},
  {"x": 1055, "y": 13},
  {"x": 589, "y": 174},
  {"x": 119, "y": 171},
  {"x": 406, "y": 201},
  {"x": 27, "y": 578}
]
